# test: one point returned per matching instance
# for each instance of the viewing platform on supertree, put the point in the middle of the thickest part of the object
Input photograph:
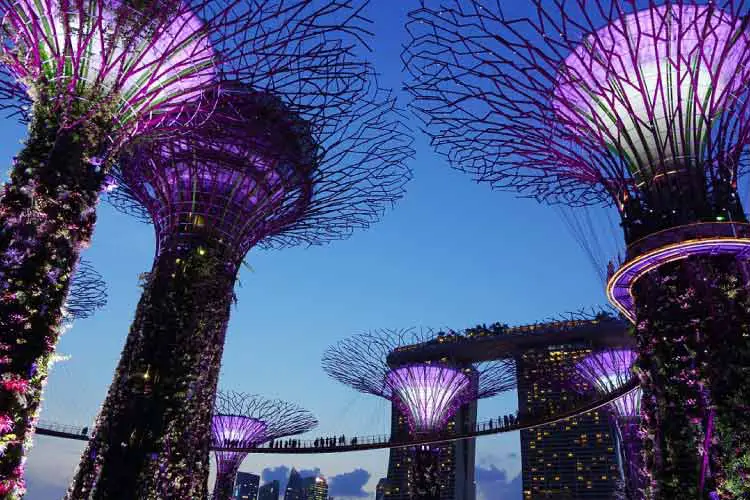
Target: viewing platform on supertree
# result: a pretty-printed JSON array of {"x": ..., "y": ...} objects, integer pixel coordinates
[
  {"x": 428, "y": 393},
  {"x": 89, "y": 76},
  {"x": 246, "y": 421},
  {"x": 607, "y": 371},
  {"x": 304, "y": 151},
  {"x": 644, "y": 106}
]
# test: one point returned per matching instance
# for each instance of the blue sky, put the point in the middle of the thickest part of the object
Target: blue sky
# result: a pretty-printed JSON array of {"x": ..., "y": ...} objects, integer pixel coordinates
[{"x": 451, "y": 254}]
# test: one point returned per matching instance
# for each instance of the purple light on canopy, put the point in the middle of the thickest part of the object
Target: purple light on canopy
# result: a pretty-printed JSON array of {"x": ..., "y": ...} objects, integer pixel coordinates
[
  {"x": 429, "y": 394},
  {"x": 235, "y": 431},
  {"x": 245, "y": 175},
  {"x": 244, "y": 421},
  {"x": 610, "y": 370},
  {"x": 147, "y": 63},
  {"x": 653, "y": 105}
]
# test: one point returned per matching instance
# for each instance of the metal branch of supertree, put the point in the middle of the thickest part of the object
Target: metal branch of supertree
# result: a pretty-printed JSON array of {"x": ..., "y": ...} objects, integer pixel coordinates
[
  {"x": 608, "y": 370},
  {"x": 588, "y": 101},
  {"x": 88, "y": 292},
  {"x": 278, "y": 418},
  {"x": 243, "y": 421},
  {"x": 269, "y": 171},
  {"x": 142, "y": 64},
  {"x": 361, "y": 361}
]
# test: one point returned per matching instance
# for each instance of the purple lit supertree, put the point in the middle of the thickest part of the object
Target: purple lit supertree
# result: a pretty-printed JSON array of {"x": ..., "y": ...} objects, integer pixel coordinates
[
  {"x": 607, "y": 371},
  {"x": 305, "y": 151},
  {"x": 89, "y": 76},
  {"x": 644, "y": 106},
  {"x": 243, "y": 421},
  {"x": 428, "y": 394}
]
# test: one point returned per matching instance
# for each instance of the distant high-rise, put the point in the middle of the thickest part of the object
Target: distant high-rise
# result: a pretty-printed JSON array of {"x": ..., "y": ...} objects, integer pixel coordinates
[
  {"x": 269, "y": 491},
  {"x": 572, "y": 459},
  {"x": 381, "y": 488},
  {"x": 296, "y": 487},
  {"x": 456, "y": 460},
  {"x": 317, "y": 489},
  {"x": 246, "y": 486}
]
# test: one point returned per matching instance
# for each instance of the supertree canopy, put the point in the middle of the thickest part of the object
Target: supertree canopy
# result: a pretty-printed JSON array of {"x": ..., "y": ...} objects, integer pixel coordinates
[
  {"x": 303, "y": 159},
  {"x": 641, "y": 105},
  {"x": 89, "y": 75},
  {"x": 429, "y": 393},
  {"x": 244, "y": 421},
  {"x": 608, "y": 371}
]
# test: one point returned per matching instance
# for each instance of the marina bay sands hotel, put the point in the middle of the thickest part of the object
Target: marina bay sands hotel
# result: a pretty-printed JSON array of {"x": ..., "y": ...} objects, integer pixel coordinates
[{"x": 571, "y": 459}]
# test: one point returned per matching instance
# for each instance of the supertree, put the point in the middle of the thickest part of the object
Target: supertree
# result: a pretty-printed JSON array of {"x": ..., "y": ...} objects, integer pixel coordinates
[
  {"x": 606, "y": 371},
  {"x": 428, "y": 394},
  {"x": 644, "y": 106},
  {"x": 245, "y": 420},
  {"x": 305, "y": 155},
  {"x": 89, "y": 76}
]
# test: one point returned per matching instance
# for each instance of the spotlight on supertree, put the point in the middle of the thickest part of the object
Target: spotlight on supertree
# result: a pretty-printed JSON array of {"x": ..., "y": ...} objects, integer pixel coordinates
[
  {"x": 89, "y": 76},
  {"x": 303, "y": 159},
  {"x": 644, "y": 106},
  {"x": 428, "y": 394},
  {"x": 608, "y": 371},
  {"x": 244, "y": 421},
  {"x": 88, "y": 292}
]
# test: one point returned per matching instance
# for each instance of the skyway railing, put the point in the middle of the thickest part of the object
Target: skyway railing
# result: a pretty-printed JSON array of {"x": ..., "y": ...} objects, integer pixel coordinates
[{"x": 363, "y": 443}]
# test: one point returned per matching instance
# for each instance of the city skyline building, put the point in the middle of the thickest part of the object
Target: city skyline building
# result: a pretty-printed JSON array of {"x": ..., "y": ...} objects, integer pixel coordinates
[
  {"x": 313, "y": 487},
  {"x": 318, "y": 489},
  {"x": 571, "y": 459},
  {"x": 246, "y": 486},
  {"x": 269, "y": 491}
]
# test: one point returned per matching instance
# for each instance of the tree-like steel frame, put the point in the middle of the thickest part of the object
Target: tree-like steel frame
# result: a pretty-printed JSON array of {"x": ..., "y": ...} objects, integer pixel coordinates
[
  {"x": 439, "y": 386},
  {"x": 244, "y": 421},
  {"x": 609, "y": 370},
  {"x": 88, "y": 292},
  {"x": 268, "y": 168},
  {"x": 91, "y": 76},
  {"x": 564, "y": 102}
]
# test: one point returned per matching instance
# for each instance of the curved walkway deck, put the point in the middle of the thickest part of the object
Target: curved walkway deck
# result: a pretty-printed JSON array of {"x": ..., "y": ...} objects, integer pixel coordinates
[{"x": 381, "y": 442}]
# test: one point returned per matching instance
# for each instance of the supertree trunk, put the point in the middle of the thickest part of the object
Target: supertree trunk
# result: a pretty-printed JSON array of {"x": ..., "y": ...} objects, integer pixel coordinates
[
  {"x": 46, "y": 217},
  {"x": 630, "y": 445},
  {"x": 154, "y": 429},
  {"x": 427, "y": 479},
  {"x": 690, "y": 353},
  {"x": 224, "y": 485}
]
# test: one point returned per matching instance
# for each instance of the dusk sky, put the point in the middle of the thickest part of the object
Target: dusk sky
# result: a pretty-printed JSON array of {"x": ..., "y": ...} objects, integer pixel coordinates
[{"x": 450, "y": 254}]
